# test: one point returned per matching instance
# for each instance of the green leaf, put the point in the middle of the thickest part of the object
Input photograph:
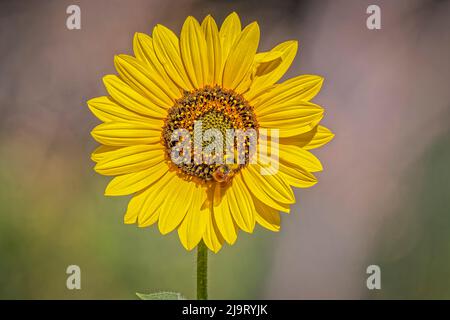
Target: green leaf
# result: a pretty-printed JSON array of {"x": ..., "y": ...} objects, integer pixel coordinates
[{"x": 163, "y": 295}]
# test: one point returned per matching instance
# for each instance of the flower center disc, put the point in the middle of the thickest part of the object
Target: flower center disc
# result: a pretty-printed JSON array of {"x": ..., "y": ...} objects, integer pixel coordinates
[{"x": 215, "y": 108}]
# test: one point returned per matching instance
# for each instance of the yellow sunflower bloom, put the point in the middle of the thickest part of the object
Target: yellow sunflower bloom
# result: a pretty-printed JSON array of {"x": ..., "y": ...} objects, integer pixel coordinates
[{"x": 216, "y": 76}]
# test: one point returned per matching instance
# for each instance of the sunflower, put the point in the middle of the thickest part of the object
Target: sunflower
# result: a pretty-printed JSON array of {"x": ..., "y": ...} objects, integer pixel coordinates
[{"x": 216, "y": 76}]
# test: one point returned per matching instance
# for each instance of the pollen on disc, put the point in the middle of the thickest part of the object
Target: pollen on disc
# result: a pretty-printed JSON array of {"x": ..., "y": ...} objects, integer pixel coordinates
[{"x": 218, "y": 109}]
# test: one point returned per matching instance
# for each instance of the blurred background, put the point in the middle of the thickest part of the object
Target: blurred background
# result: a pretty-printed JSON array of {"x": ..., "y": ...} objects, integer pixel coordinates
[{"x": 383, "y": 198}]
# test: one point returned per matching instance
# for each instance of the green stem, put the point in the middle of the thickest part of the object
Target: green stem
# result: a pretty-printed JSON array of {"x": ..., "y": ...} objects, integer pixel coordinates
[{"x": 202, "y": 271}]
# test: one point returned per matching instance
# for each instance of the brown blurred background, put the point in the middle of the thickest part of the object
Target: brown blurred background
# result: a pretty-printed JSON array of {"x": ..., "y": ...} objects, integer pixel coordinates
[{"x": 383, "y": 198}]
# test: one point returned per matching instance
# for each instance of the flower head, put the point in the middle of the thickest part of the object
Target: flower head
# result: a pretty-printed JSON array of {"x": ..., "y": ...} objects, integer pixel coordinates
[{"x": 188, "y": 125}]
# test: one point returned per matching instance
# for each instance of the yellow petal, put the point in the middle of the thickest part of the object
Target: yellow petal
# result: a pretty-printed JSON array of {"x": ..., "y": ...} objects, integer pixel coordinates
[
  {"x": 144, "y": 51},
  {"x": 287, "y": 111},
  {"x": 268, "y": 57},
  {"x": 131, "y": 99},
  {"x": 101, "y": 151},
  {"x": 301, "y": 88},
  {"x": 130, "y": 159},
  {"x": 136, "y": 181},
  {"x": 269, "y": 189},
  {"x": 291, "y": 119},
  {"x": 167, "y": 49},
  {"x": 194, "y": 53},
  {"x": 107, "y": 110},
  {"x": 143, "y": 205},
  {"x": 179, "y": 197},
  {"x": 127, "y": 133},
  {"x": 193, "y": 226},
  {"x": 298, "y": 157},
  {"x": 149, "y": 201},
  {"x": 267, "y": 217},
  {"x": 212, "y": 237},
  {"x": 241, "y": 204},
  {"x": 315, "y": 138},
  {"x": 241, "y": 56},
  {"x": 271, "y": 69},
  {"x": 222, "y": 214},
  {"x": 293, "y": 175},
  {"x": 140, "y": 79},
  {"x": 297, "y": 176},
  {"x": 131, "y": 215},
  {"x": 229, "y": 33},
  {"x": 214, "y": 51},
  {"x": 246, "y": 82}
]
